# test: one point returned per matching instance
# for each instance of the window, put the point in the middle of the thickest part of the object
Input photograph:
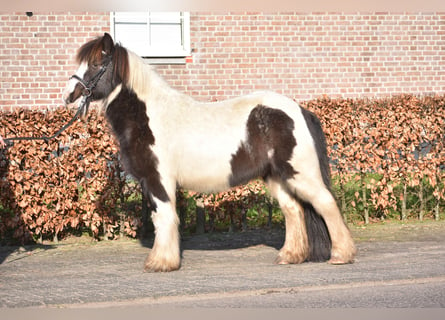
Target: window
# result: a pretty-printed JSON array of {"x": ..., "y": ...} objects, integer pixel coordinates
[{"x": 153, "y": 34}]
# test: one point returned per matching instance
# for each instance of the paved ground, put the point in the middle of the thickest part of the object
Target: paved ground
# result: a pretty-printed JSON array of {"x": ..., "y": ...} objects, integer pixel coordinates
[{"x": 397, "y": 266}]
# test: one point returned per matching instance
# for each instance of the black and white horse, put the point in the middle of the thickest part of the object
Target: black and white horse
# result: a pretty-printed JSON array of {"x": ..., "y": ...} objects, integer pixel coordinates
[{"x": 167, "y": 139}]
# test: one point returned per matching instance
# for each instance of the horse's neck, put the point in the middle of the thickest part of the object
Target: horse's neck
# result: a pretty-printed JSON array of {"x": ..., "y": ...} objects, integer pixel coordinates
[
  {"x": 166, "y": 101},
  {"x": 151, "y": 87},
  {"x": 153, "y": 90}
]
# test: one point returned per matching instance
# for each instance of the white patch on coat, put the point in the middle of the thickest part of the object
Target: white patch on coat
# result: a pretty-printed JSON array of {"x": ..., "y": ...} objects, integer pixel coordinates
[
  {"x": 166, "y": 223},
  {"x": 113, "y": 95},
  {"x": 83, "y": 67},
  {"x": 165, "y": 254}
]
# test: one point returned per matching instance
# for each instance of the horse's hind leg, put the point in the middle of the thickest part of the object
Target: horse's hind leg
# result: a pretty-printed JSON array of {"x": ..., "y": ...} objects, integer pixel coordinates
[
  {"x": 295, "y": 248},
  {"x": 312, "y": 189}
]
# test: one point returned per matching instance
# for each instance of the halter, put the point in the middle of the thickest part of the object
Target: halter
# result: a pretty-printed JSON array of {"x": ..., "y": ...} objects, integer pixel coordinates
[
  {"x": 89, "y": 86},
  {"x": 83, "y": 105},
  {"x": 92, "y": 83}
]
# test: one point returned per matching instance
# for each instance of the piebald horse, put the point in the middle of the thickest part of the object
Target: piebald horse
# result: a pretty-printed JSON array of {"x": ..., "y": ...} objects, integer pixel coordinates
[{"x": 168, "y": 139}]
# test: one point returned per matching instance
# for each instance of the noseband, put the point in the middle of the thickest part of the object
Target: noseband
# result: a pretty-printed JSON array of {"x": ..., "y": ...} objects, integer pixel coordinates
[{"x": 89, "y": 86}]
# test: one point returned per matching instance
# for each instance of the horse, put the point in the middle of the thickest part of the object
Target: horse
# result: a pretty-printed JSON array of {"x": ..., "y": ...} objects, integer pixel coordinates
[{"x": 169, "y": 139}]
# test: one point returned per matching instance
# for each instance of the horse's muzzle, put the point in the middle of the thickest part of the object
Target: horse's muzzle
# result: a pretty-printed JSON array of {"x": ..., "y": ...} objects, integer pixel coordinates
[{"x": 69, "y": 96}]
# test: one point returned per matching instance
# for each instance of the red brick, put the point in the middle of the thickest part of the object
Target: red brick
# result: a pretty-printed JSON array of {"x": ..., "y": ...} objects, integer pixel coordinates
[{"x": 300, "y": 55}]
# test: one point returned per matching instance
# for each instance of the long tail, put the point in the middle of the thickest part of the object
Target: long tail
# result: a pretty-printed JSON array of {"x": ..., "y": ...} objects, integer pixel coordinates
[
  {"x": 317, "y": 235},
  {"x": 317, "y": 232}
]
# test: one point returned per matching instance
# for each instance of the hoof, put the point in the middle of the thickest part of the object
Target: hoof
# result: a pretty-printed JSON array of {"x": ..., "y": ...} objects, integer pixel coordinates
[
  {"x": 286, "y": 257},
  {"x": 337, "y": 261},
  {"x": 345, "y": 258},
  {"x": 154, "y": 265},
  {"x": 279, "y": 260}
]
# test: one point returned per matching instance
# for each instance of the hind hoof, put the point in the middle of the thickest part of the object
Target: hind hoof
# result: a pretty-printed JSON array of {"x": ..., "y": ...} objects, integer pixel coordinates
[
  {"x": 286, "y": 257},
  {"x": 337, "y": 261}
]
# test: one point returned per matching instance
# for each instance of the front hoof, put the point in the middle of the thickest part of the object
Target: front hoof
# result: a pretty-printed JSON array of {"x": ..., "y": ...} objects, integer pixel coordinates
[{"x": 156, "y": 265}]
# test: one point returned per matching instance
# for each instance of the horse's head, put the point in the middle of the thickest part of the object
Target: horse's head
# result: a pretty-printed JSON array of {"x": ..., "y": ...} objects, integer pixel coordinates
[{"x": 103, "y": 65}]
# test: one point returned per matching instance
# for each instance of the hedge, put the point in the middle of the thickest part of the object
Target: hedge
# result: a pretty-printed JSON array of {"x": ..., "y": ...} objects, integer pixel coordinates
[
  {"x": 389, "y": 147},
  {"x": 400, "y": 140},
  {"x": 51, "y": 188}
]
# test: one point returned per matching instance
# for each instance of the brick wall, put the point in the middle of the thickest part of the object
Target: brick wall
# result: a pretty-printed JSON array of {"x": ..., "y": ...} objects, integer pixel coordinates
[
  {"x": 36, "y": 55},
  {"x": 307, "y": 55},
  {"x": 301, "y": 55}
]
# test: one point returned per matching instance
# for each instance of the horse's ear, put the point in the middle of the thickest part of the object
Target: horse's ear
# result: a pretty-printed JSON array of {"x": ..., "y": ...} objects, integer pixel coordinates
[{"x": 108, "y": 44}]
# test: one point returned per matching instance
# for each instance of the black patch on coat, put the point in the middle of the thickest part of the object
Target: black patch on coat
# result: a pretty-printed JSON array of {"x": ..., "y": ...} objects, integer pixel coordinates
[
  {"x": 128, "y": 118},
  {"x": 317, "y": 232},
  {"x": 268, "y": 130}
]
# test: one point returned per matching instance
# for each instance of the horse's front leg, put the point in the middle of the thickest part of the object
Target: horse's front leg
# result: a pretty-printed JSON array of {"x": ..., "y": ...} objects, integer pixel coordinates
[{"x": 165, "y": 254}]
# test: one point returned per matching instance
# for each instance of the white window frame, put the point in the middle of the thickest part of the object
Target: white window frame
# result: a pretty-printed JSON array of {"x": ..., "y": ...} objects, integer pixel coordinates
[{"x": 145, "y": 48}]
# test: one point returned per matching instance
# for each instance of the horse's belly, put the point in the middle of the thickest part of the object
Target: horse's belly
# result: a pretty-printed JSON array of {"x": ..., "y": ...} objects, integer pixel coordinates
[
  {"x": 205, "y": 183},
  {"x": 204, "y": 174},
  {"x": 203, "y": 154}
]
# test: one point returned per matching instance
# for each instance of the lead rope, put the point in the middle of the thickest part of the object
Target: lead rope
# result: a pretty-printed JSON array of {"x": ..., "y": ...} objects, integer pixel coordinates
[{"x": 84, "y": 103}]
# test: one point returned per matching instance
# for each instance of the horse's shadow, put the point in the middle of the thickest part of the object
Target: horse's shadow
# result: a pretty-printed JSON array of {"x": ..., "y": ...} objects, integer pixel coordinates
[
  {"x": 271, "y": 236},
  {"x": 216, "y": 240}
]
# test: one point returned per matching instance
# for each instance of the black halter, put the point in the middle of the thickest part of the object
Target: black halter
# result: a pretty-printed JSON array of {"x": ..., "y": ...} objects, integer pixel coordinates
[{"x": 89, "y": 86}]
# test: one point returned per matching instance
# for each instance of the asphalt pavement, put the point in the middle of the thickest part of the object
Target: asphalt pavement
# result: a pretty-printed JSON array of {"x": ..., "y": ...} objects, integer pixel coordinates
[{"x": 404, "y": 267}]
